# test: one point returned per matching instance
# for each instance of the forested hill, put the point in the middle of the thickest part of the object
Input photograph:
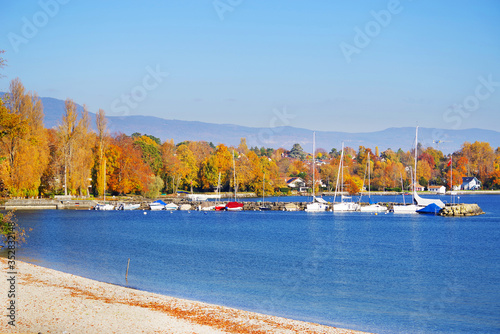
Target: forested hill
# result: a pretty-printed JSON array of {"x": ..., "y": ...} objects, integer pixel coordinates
[{"x": 229, "y": 134}]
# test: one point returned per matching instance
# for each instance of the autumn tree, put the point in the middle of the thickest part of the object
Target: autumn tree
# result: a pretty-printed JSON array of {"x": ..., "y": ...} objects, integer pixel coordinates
[
  {"x": 220, "y": 162},
  {"x": 172, "y": 167},
  {"x": 298, "y": 168},
  {"x": 150, "y": 152},
  {"x": 102, "y": 140},
  {"x": 82, "y": 159},
  {"x": 126, "y": 172},
  {"x": 67, "y": 136},
  {"x": 154, "y": 187},
  {"x": 189, "y": 166},
  {"x": 50, "y": 181},
  {"x": 353, "y": 184},
  {"x": 328, "y": 174},
  {"x": 23, "y": 140},
  {"x": 243, "y": 148},
  {"x": 480, "y": 157}
]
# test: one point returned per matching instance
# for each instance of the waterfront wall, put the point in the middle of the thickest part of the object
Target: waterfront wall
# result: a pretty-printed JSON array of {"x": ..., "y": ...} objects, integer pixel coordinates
[{"x": 42, "y": 204}]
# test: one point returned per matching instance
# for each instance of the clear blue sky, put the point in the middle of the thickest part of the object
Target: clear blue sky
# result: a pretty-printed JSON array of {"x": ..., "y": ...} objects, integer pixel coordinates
[{"x": 244, "y": 62}]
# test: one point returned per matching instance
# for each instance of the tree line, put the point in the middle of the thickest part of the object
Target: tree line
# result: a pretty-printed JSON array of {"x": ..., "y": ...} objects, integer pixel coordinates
[{"x": 73, "y": 159}]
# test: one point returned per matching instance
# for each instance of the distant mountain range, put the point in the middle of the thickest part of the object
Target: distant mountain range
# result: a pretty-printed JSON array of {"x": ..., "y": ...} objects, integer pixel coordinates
[{"x": 229, "y": 134}]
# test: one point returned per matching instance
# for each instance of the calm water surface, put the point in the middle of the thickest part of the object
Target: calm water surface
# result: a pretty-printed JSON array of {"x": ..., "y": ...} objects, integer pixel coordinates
[{"x": 384, "y": 273}]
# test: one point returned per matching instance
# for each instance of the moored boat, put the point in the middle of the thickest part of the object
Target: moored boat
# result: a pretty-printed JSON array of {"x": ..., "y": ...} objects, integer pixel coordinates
[
  {"x": 220, "y": 207},
  {"x": 104, "y": 207},
  {"x": 318, "y": 204},
  {"x": 234, "y": 206},
  {"x": 128, "y": 206},
  {"x": 418, "y": 202},
  {"x": 157, "y": 205},
  {"x": 346, "y": 204},
  {"x": 373, "y": 208},
  {"x": 171, "y": 206}
]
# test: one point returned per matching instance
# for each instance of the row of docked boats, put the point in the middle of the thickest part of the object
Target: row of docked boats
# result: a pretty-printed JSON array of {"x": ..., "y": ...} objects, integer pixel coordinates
[
  {"x": 160, "y": 205},
  {"x": 119, "y": 206},
  {"x": 418, "y": 205}
]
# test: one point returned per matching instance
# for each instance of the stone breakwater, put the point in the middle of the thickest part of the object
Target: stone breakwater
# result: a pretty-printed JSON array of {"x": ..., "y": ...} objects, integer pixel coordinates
[
  {"x": 41, "y": 204},
  {"x": 461, "y": 210}
]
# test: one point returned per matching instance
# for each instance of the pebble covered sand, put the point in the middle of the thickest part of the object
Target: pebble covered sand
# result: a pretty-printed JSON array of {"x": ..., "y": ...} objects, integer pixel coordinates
[{"x": 49, "y": 301}]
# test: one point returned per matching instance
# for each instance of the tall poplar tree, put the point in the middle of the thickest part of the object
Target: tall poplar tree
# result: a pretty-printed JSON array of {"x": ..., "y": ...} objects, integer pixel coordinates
[
  {"x": 101, "y": 146},
  {"x": 67, "y": 135}
]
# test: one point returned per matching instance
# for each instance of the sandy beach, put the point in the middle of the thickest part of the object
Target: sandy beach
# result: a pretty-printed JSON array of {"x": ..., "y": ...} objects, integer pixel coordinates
[{"x": 49, "y": 301}]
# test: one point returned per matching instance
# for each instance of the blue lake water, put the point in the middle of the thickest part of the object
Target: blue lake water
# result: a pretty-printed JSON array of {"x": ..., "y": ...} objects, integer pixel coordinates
[{"x": 379, "y": 273}]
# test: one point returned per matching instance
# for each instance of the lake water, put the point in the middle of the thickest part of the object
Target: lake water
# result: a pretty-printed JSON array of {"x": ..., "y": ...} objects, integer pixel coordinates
[{"x": 380, "y": 273}]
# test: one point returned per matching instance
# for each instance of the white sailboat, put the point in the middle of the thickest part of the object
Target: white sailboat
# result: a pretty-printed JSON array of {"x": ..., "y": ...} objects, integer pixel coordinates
[
  {"x": 372, "y": 207},
  {"x": 346, "y": 204},
  {"x": 264, "y": 207},
  {"x": 318, "y": 204},
  {"x": 418, "y": 202}
]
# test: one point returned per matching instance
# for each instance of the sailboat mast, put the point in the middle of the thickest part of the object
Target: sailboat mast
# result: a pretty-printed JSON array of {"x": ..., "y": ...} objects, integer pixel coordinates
[
  {"x": 415, "y": 171},
  {"x": 338, "y": 174},
  {"x": 314, "y": 147},
  {"x": 104, "y": 182},
  {"x": 342, "y": 184},
  {"x": 263, "y": 189},
  {"x": 403, "y": 189},
  {"x": 451, "y": 179},
  {"x": 218, "y": 187},
  {"x": 234, "y": 174},
  {"x": 369, "y": 183}
]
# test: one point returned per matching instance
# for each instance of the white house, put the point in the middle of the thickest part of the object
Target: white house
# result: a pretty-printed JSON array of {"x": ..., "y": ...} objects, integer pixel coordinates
[
  {"x": 418, "y": 187},
  {"x": 437, "y": 189},
  {"x": 471, "y": 183},
  {"x": 295, "y": 183}
]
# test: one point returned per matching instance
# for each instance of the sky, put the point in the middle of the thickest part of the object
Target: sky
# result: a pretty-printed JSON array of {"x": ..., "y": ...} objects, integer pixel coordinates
[{"x": 353, "y": 66}]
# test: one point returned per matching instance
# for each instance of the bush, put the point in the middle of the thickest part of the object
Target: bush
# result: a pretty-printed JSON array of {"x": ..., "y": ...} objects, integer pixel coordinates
[
  {"x": 10, "y": 231},
  {"x": 285, "y": 190}
]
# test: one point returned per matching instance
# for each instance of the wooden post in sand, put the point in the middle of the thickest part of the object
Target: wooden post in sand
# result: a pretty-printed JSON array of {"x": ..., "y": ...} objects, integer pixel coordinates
[{"x": 128, "y": 264}]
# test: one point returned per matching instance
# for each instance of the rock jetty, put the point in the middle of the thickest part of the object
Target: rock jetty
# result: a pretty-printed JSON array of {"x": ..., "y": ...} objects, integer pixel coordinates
[{"x": 461, "y": 210}]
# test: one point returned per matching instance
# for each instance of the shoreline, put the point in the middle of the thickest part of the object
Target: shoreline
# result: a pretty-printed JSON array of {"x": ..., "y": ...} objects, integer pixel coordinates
[
  {"x": 87, "y": 204},
  {"x": 52, "y": 301}
]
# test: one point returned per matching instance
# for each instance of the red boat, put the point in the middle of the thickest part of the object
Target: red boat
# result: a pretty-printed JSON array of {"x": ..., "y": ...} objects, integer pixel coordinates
[
  {"x": 234, "y": 206},
  {"x": 220, "y": 207}
]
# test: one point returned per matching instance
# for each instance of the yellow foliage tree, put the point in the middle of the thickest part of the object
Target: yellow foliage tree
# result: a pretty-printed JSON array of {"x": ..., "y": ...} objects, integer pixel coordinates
[{"x": 23, "y": 140}]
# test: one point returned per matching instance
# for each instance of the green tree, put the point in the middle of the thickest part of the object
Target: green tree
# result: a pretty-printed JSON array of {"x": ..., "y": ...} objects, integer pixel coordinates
[
  {"x": 297, "y": 152},
  {"x": 150, "y": 152}
]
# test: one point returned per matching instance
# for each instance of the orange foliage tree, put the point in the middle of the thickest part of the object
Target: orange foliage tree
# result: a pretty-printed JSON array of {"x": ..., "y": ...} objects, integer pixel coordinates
[{"x": 126, "y": 172}]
